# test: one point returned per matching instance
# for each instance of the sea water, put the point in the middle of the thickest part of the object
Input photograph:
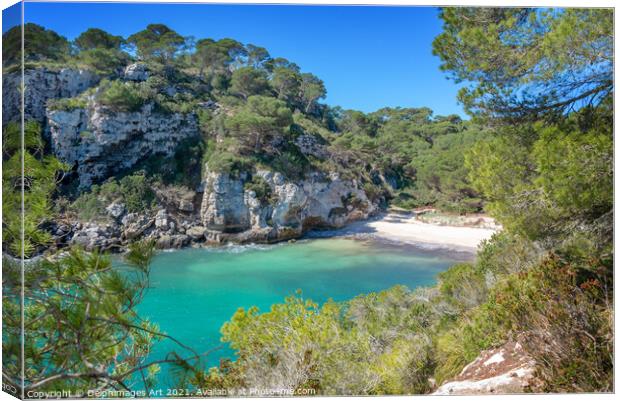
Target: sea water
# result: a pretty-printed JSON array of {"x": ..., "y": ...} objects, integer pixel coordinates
[{"x": 194, "y": 291}]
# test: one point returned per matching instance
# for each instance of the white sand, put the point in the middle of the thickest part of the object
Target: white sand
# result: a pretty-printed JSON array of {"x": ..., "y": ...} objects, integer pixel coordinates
[{"x": 410, "y": 230}]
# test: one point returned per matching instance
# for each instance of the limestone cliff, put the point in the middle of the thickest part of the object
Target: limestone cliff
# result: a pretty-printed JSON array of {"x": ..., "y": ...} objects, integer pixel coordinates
[
  {"x": 230, "y": 212},
  {"x": 101, "y": 143},
  {"x": 41, "y": 84}
]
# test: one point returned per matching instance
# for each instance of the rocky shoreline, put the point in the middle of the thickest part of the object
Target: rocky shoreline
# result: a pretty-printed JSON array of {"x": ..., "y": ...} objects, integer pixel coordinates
[{"x": 224, "y": 212}]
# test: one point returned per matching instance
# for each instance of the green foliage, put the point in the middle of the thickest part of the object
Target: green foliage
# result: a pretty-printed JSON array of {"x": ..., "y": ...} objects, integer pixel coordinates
[
  {"x": 217, "y": 56},
  {"x": 83, "y": 329},
  {"x": 464, "y": 285},
  {"x": 95, "y": 38},
  {"x": 227, "y": 162},
  {"x": 38, "y": 178},
  {"x": 261, "y": 188},
  {"x": 540, "y": 180},
  {"x": 136, "y": 192},
  {"x": 184, "y": 168},
  {"x": 121, "y": 96},
  {"x": 103, "y": 61},
  {"x": 132, "y": 190},
  {"x": 66, "y": 103},
  {"x": 249, "y": 81},
  {"x": 575, "y": 169},
  {"x": 380, "y": 343},
  {"x": 441, "y": 176},
  {"x": 39, "y": 44},
  {"x": 259, "y": 120},
  {"x": 296, "y": 344},
  {"x": 525, "y": 62},
  {"x": 157, "y": 42},
  {"x": 291, "y": 162},
  {"x": 286, "y": 82},
  {"x": 564, "y": 322},
  {"x": 421, "y": 157}
]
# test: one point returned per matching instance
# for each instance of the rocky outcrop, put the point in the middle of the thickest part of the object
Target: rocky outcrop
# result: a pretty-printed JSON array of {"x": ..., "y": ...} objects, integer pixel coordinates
[
  {"x": 223, "y": 204},
  {"x": 311, "y": 145},
  {"x": 97, "y": 236},
  {"x": 168, "y": 225},
  {"x": 101, "y": 143},
  {"x": 115, "y": 234},
  {"x": 41, "y": 85},
  {"x": 232, "y": 213},
  {"x": 136, "y": 72},
  {"x": 504, "y": 370}
]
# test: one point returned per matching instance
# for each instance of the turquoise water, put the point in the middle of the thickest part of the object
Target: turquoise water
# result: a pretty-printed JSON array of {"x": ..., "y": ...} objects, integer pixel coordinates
[{"x": 194, "y": 291}]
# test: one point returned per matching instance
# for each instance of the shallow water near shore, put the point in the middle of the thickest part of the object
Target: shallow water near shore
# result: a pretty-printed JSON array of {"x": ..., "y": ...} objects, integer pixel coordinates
[{"x": 194, "y": 291}]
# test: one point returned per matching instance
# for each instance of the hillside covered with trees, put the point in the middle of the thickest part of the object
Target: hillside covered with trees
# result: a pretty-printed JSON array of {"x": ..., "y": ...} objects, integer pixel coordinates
[{"x": 537, "y": 155}]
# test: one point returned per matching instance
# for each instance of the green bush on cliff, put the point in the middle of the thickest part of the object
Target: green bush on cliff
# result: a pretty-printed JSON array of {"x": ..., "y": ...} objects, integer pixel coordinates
[
  {"x": 257, "y": 122},
  {"x": 261, "y": 188},
  {"x": 227, "y": 162},
  {"x": 121, "y": 96},
  {"x": 104, "y": 61},
  {"x": 134, "y": 191},
  {"x": 66, "y": 103}
]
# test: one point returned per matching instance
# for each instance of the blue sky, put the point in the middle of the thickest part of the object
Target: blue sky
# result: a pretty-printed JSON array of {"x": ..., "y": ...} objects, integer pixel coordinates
[{"x": 369, "y": 57}]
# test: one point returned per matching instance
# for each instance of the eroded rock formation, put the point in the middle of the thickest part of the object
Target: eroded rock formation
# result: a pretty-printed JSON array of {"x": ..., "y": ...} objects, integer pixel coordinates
[
  {"x": 41, "y": 85},
  {"x": 102, "y": 143},
  {"x": 231, "y": 212}
]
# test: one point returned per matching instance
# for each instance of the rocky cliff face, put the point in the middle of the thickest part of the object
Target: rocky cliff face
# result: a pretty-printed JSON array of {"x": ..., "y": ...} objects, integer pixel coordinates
[
  {"x": 102, "y": 143},
  {"x": 226, "y": 212},
  {"x": 230, "y": 212},
  {"x": 98, "y": 142},
  {"x": 41, "y": 85}
]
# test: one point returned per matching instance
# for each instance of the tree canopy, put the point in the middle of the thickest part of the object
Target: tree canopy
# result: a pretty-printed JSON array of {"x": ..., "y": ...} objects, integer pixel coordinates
[
  {"x": 39, "y": 44},
  {"x": 95, "y": 38},
  {"x": 523, "y": 62},
  {"x": 158, "y": 42}
]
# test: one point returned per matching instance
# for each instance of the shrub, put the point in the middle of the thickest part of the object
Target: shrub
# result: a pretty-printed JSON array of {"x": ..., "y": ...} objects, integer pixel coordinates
[
  {"x": 261, "y": 188},
  {"x": 373, "y": 192},
  {"x": 290, "y": 162},
  {"x": 132, "y": 190},
  {"x": 122, "y": 96},
  {"x": 66, "y": 103},
  {"x": 464, "y": 285},
  {"x": 227, "y": 162},
  {"x": 562, "y": 316},
  {"x": 35, "y": 196},
  {"x": 136, "y": 192},
  {"x": 567, "y": 320},
  {"x": 104, "y": 61}
]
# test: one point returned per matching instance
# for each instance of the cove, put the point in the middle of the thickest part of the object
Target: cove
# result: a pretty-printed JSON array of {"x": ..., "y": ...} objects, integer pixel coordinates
[{"x": 194, "y": 291}]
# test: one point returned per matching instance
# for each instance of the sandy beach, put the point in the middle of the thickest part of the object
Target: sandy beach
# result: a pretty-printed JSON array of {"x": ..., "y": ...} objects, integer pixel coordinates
[{"x": 409, "y": 230}]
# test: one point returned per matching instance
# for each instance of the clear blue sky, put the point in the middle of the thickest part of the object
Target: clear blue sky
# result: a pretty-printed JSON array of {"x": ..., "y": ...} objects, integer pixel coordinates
[{"x": 368, "y": 57}]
